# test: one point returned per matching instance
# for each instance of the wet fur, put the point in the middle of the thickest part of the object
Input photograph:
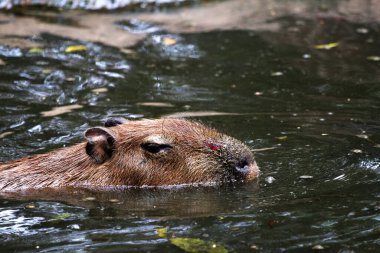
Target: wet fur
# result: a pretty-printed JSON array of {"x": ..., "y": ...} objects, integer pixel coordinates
[{"x": 190, "y": 160}]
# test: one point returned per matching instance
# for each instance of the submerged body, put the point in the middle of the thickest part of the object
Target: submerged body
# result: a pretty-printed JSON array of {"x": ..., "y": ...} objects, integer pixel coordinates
[{"x": 136, "y": 153}]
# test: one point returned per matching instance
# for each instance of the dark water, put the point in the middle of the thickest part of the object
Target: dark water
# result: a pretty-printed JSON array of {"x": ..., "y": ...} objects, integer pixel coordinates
[{"x": 318, "y": 109}]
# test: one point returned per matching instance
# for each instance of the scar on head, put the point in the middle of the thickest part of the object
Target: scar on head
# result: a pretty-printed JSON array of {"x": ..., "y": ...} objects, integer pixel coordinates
[{"x": 213, "y": 146}]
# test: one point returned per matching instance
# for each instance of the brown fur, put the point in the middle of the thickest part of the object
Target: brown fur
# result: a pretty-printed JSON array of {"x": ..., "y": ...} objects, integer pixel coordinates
[{"x": 197, "y": 154}]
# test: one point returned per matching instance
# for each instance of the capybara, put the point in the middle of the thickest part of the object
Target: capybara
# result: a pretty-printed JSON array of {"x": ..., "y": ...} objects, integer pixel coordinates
[{"x": 136, "y": 153}]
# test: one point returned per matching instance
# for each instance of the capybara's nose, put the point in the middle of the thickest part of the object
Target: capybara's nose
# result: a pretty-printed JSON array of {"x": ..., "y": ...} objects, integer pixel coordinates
[
  {"x": 242, "y": 167},
  {"x": 244, "y": 170}
]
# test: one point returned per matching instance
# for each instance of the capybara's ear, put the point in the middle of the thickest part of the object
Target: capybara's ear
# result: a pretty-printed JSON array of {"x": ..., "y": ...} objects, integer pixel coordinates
[
  {"x": 100, "y": 143},
  {"x": 110, "y": 122}
]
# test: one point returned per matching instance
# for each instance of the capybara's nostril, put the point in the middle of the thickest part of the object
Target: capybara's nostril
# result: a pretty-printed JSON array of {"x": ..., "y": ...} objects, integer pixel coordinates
[{"x": 242, "y": 167}]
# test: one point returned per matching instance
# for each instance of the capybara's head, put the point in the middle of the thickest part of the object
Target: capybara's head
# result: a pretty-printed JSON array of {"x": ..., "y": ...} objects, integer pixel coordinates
[{"x": 169, "y": 152}]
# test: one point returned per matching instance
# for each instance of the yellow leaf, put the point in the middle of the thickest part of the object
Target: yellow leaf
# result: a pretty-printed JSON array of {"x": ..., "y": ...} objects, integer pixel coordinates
[
  {"x": 162, "y": 232},
  {"x": 35, "y": 50},
  {"x": 75, "y": 48},
  {"x": 169, "y": 41},
  {"x": 327, "y": 46},
  {"x": 30, "y": 206},
  {"x": 195, "y": 245},
  {"x": 282, "y": 138},
  {"x": 47, "y": 71}
]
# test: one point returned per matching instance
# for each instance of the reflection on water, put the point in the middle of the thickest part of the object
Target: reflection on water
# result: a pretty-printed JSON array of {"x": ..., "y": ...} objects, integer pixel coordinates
[{"x": 311, "y": 113}]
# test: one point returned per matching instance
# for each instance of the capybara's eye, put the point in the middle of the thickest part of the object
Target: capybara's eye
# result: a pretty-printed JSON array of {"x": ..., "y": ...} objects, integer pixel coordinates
[{"x": 155, "y": 148}]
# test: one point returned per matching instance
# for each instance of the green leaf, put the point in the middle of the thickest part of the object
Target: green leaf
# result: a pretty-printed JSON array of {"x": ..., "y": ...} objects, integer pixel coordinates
[
  {"x": 327, "y": 46},
  {"x": 61, "y": 217},
  {"x": 75, "y": 48},
  {"x": 36, "y": 50},
  {"x": 195, "y": 245},
  {"x": 162, "y": 232}
]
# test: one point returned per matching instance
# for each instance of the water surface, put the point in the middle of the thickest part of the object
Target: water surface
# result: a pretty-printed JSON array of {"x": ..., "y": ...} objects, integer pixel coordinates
[{"x": 312, "y": 114}]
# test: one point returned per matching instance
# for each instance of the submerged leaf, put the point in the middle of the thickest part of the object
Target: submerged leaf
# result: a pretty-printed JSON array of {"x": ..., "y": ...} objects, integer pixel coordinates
[
  {"x": 75, "y": 48},
  {"x": 195, "y": 245},
  {"x": 61, "y": 217},
  {"x": 327, "y": 46}
]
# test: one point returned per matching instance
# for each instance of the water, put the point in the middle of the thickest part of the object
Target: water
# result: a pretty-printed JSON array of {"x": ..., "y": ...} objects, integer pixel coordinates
[
  {"x": 96, "y": 5},
  {"x": 312, "y": 114}
]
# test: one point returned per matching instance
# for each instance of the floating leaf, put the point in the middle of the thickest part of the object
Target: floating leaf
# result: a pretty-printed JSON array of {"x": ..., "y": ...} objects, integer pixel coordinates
[
  {"x": 318, "y": 247},
  {"x": 373, "y": 58},
  {"x": 61, "y": 217},
  {"x": 195, "y": 245},
  {"x": 156, "y": 104},
  {"x": 36, "y": 50},
  {"x": 282, "y": 138},
  {"x": 327, "y": 46},
  {"x": 89, "y": 199},
  {"x": 306, "y": 177},
  {"x": 254, "y": 247},
  {"x": 169, "y": 41},
  {"x": 100, "y": 90},
  {"x": 75, "y": 48},
  {"x": 60, "y": 110},
  {"x": 5, "y": 134},
  {"x": 362, "y": 136},
  {"x": 30, "y": 206},
  {"x": 339, "y": 177},
  {"x": 362, "y": 30},
  {"x": 47, "y": 71},
  {"x": 162, "y": 232},
  {"x": 262, "y": 149},
  {"x": 2, "y": 62},
  {"x": 278, "y": 73}
]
